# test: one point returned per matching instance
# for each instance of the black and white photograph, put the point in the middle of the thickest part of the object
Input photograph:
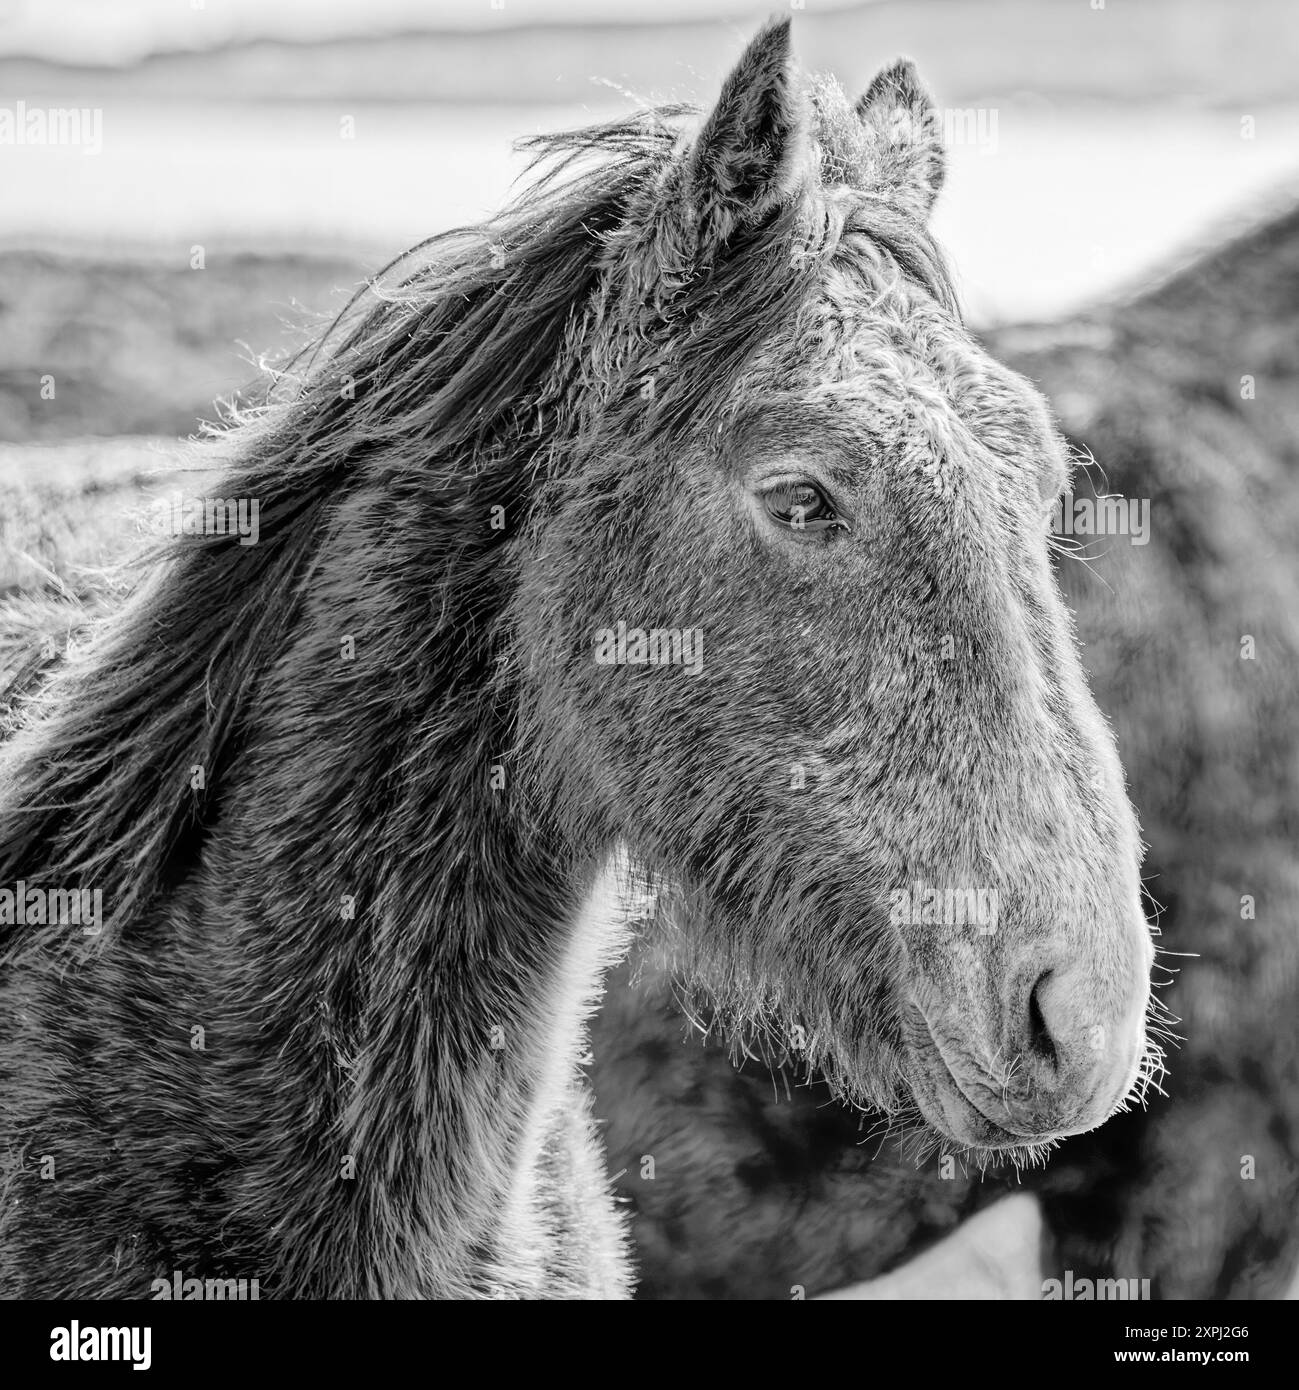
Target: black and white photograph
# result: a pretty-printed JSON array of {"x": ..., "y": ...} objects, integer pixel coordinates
[{"x": 649, "y": 650}]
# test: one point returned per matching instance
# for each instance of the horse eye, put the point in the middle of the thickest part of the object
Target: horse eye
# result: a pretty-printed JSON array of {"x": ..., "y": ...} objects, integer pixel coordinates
[{"x": 801, "y": 507}]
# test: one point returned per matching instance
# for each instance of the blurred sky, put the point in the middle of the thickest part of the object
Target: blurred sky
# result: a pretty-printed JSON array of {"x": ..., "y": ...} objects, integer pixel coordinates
[{"x": 1110, "y": 139}]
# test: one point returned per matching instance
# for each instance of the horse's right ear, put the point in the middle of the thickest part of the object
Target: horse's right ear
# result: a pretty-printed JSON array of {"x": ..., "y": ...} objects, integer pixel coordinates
[
  {"x": 905, "y": 162},
  {"x": 747, "y": 158}
]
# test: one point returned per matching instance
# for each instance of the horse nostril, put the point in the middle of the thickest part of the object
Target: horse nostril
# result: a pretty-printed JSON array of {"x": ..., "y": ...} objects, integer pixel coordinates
[{"x": 1040, "y": 1040}]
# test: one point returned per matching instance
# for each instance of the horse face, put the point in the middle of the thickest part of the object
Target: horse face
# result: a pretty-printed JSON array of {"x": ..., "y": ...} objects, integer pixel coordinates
[
  {"x": 831, "y": 694},
  {"x": 941, "y": 798}
]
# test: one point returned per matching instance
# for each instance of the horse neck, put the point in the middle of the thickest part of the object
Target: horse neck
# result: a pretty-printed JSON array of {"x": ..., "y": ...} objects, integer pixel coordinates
[
  {"x": 385, "y": 946},
  {"x": 406, "y": 899}
]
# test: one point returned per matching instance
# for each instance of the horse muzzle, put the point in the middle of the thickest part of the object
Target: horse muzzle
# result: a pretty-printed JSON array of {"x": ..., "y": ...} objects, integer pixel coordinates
[{"x": 1060, "y": 1059}]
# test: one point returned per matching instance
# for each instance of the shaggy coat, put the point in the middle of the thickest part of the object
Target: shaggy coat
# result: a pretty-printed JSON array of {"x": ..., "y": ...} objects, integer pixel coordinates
[{"x": 366, "y": 816}]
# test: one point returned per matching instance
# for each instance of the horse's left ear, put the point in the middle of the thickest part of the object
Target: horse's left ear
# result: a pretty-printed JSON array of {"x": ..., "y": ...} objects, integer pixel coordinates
[
  {"x": 749, "y": 155},
  {"x": 906, "y": 162}
]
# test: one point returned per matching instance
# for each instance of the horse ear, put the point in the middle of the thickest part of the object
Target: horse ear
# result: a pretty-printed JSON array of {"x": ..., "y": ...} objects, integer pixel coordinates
[
  {"x": 748, "y": 156},
  {"x": 906, "y": 162}
]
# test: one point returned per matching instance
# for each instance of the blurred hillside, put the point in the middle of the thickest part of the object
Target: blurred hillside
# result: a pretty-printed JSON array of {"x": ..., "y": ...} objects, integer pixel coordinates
[
  {"x": 135, "y": 347},
  {"x": 1214, "y": 52}
]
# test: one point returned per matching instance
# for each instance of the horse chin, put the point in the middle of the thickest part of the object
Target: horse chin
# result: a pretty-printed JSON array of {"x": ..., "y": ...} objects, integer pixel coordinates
[
  {"x": 957, "y": 1121},
  {"x": 953, "y": 1116}
]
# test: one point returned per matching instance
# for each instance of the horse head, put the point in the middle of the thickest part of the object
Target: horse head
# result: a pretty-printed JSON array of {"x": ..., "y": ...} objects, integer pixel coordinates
[{"x": 817, "y": 674}]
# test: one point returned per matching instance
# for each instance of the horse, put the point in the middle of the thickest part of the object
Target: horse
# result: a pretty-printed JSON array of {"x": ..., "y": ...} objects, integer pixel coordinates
[{"x": 662, "y": 555}]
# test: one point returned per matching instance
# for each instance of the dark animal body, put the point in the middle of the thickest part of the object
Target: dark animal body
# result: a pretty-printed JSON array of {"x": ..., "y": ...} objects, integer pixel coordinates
[
  {"x": 761, "y": 1187},
  {"x": 369, "y": 822}
]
